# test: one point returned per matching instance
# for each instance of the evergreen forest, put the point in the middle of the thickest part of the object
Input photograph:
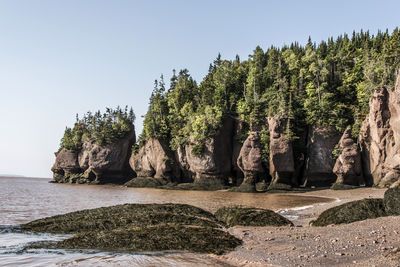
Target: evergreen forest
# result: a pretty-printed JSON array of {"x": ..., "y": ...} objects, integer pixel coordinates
[{"x": 326, "y": 84}]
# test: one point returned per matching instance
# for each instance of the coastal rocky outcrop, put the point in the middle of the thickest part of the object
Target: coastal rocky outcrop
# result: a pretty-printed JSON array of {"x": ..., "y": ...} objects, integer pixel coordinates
[
  {"x": 294, "y": 102},
  {"x": 380, "y": 138},
  {"x": 250, "y": 162},
  {"x": 223, "y": 161},
  {"x": 154, "y": 159},
  {"x": 348, "y": 167},
  {"x": 281, "y": 159},
  {"x": 212, "y": 167},
  {"x": 95, "y": 163},
  {"x": 320, "y": 162},
  {"x": 66, "y": 164}
]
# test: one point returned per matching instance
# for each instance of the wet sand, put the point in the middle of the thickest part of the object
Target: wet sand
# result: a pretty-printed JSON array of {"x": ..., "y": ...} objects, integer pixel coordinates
[{"x": 365, "y": 243}]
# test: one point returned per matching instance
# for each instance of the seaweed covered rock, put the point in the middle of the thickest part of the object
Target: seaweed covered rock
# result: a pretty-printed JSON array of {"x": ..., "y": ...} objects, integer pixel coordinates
[
  {"x": 391, "y": 201},
  {"x": 108, "y": 218},
  {"x": 250, "y": 162},
  {"x": 337, "y": 186},
  {"x": 320, "y": 162},
  {"x": 359, "y": 210},
  {"x": 250, "y": 217},
  {"x": 164, "y": 237},
  {"x": 138, "y": 227},
  {"x": 281, "y": 161},
  {"x": 279, "y": 188},
  {"x": 150, "y": 182},
  {"x": 154, "y": 159},
  {"x": 211, "y": 166},
  {"x": 380, "y": 138},
  {"x": 348, "y": 165}
]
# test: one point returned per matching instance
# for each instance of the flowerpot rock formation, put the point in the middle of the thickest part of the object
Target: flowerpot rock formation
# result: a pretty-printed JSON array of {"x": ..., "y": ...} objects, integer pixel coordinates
[{"x": 348, "y": 167}]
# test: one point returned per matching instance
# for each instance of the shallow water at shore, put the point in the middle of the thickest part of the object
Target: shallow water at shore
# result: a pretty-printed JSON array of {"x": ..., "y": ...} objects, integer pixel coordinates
[{"x": 26, "y": 199}]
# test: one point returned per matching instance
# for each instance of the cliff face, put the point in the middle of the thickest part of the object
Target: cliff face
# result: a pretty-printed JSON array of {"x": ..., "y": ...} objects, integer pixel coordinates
[
  {"x": 213, "y": 165},
  {"x": 380, "y": 138},
  {"x": 320, "y": 161},
  {"x": 65, "y": 165},
  {"x": 155, "y": 159},
  {"x": 96, "y": 163},
  {"x": 348, "y": 165},
  {"x": 238, "y": 132},
  {"x": 375, "y": 160},
  {"x": 281, "y": 161}
]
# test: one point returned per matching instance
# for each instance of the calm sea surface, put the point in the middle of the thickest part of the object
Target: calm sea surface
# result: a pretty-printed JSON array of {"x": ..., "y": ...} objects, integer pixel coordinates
[{"x": 26, "y": 199}]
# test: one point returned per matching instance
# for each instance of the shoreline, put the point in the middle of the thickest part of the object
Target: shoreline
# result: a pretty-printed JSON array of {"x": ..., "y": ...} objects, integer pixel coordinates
[
  {"x": 359, "y": 243},
  {"x": 362, "y": 243}
]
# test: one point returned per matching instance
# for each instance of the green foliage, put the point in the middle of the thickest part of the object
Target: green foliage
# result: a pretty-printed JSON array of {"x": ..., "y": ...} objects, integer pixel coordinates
[
  {"x": 100, "y": 128},
  {"x": 264, "y": 141},
  {"x": 337, "y": 151},
  {"x": 155, "y": 124},
  {"x": 327, "y": 84}
]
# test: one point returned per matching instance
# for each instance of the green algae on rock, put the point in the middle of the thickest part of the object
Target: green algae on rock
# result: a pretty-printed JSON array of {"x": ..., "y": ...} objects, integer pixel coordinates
[
  {"x": 162, "y": 237},
  {"x": 137, "y": 227},
  {"x": 337, "y": 186},
  {"x": 108, "y": 218},
  {"x": 146, "y": 182},
  {"x": 250, "y": 217},
  {"x": 391, "y": 201},
  {"x": 359, "y": 210}
]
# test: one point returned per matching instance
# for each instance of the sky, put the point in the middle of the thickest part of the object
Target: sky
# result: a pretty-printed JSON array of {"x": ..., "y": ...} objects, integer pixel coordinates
[{"x": 59, "y": 58}]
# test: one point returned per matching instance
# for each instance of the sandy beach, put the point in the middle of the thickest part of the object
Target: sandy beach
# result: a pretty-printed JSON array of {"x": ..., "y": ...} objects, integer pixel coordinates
[{"x": 365, "y": 243}]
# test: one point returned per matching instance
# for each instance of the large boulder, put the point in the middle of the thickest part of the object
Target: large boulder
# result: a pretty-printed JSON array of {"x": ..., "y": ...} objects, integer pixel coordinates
[
  {"x": 281, "y": 161},
  {"x": 380, "y": 138},
  {"x": 250, "y": 217},
  {"x": 154, "y": 159},
  {"x": 320, "y": 162},
  {"x": 250, "y": 162},
  {"x": 212, "y": 167},
  {"x": 348, "y": 167},
  {"x": 358, "y": 210},
  {"x": 391, "y": 201},
  {"x": 66, "y": 164}
]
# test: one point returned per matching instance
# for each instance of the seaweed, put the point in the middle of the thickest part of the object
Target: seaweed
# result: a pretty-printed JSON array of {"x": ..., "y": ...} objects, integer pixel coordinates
[
  {"x": 162, "y": 237},
  {"x": 243, "y": 216},
  {"x": 391, "y": 201},
  {"x": 336, "y": 186},
  {"x": 137, "y": 227},
  {"x": 359, "y": 210},
  {"x": 149, "y": 182},
  {"x": 108, "y": 218}
]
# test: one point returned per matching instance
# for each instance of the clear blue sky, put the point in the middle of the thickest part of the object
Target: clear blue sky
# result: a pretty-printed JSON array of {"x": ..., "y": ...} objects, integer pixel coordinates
[{"x": 59, "y": 58}]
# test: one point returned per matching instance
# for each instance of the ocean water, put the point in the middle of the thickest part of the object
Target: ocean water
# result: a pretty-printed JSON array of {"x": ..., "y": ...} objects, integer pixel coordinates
[{"x": 26, "y": 199}]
